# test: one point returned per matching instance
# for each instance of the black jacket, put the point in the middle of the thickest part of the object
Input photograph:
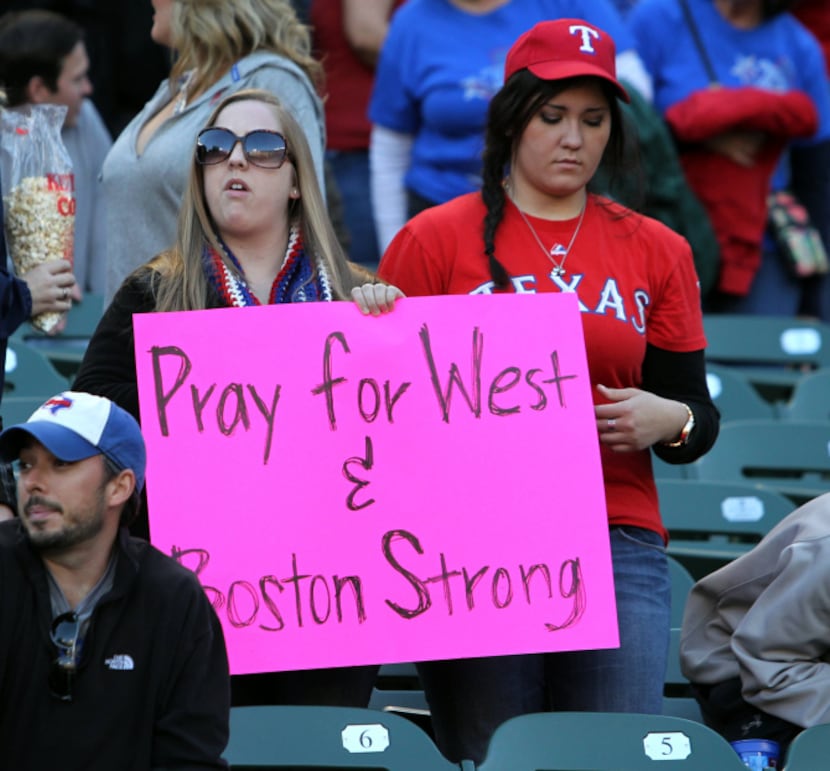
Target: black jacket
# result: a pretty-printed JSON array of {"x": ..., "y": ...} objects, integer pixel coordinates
[{"x": 153, "y": 689}]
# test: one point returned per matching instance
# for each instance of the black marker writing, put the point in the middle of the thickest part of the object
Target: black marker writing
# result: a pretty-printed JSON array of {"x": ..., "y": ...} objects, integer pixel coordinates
[{"x": 366, "y": 463}]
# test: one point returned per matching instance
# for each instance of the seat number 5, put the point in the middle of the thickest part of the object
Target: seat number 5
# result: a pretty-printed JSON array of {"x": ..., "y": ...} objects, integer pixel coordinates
[{"x": 674, "y": 745}]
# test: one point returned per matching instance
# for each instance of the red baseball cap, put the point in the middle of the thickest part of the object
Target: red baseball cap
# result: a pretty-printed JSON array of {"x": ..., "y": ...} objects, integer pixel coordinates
[{"x": 565, "y": 48}]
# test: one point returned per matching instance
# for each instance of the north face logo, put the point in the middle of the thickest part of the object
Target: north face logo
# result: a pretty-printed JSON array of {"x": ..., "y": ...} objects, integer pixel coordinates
[{"x": 120, "y": 661}]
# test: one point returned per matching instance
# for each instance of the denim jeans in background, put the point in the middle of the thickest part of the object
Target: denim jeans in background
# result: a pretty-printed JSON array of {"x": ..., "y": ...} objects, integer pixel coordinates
[
  {"x": 776, "y": 292},
  {"x": 351, "y": 171},
  {"x": 469, "y": 698}
]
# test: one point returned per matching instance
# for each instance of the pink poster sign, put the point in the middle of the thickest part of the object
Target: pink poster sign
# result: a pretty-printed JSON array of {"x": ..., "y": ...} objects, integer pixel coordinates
[{"x": 351, "y": 490}]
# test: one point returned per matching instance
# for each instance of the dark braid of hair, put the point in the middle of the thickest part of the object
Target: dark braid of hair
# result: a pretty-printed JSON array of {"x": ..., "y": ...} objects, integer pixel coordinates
[
  {"x": 492, "y": 193},
  {"x": 498, "y": 147},
  {"x": 511, "y": 109}
]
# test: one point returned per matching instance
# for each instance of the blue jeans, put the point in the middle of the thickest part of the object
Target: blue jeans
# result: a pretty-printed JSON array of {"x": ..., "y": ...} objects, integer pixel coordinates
[
  {"x": 776, "y": 292},
  {"x": 351, "y": 171},
  {"x": 469, "y": 698}
]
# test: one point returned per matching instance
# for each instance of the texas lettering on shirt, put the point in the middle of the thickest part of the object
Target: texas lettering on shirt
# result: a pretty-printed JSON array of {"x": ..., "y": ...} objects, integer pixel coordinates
[{"x": 610, "y": 300}]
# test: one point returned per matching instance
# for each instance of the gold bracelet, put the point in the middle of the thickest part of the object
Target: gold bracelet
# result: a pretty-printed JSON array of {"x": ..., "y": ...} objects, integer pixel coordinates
[{"x": 685, "y": 432}]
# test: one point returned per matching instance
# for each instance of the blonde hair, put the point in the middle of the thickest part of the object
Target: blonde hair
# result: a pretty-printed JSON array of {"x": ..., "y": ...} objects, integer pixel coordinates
[
  {"x": 180, "y": 281},
  {"x": 209, "y": 36}
]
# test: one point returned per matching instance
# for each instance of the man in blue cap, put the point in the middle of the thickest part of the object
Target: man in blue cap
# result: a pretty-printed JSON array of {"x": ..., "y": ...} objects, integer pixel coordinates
[{"x": 110, "y": 653}]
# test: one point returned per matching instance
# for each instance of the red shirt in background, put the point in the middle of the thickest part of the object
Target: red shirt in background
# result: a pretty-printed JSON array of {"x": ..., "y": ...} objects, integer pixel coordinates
[
  {"x": 815, "y": 15},
  {"x": 349, "y": 80}
]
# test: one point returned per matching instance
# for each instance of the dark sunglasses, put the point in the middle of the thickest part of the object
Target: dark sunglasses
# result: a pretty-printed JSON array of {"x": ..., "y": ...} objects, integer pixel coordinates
[
  {"x": 261, "y": 147},
  {"x": 65, "y": 631}
]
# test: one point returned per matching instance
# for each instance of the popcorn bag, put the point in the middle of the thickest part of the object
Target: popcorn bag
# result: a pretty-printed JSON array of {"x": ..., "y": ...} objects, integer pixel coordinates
[{"x": 38, "y": 191}]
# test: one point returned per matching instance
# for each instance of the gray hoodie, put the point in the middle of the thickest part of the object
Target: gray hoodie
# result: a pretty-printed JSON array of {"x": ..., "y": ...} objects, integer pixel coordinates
[
  {"x": 766, "y": 618},
  {"x": 144, "y": 192}
]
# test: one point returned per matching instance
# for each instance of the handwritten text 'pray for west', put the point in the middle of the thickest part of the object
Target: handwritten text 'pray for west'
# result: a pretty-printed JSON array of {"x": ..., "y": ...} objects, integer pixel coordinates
[{"x": 236, "y": 404}]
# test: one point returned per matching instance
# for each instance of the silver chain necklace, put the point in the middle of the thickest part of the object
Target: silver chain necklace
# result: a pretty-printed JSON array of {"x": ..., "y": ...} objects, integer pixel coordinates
[{"x": 558, "y": 267}]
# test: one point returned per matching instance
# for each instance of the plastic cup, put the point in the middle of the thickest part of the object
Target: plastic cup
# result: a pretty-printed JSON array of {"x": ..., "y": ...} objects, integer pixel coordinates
[{"x": 757, "y": 754}]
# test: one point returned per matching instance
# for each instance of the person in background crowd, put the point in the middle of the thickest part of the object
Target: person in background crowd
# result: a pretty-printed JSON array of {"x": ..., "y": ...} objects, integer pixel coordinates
[
  {"x": 815, "y": 15},
  {"x": 535, "y": 227},
  {"x": 430, "y": 97},
  {"x": 43, "y": 289},
  {"x": 111, "y": 655},
  {"x": 660, "y": 189},
  {"x": 624, "y": 6},
  {"x": 126, "y": 65},
  {"x": 755, "y": 642},
  {"x": 43, "y": 60},
  {"x": 221, "y": 46},
  {"x": 348, "y": 37},
  {"x": 772, "y": 98}
]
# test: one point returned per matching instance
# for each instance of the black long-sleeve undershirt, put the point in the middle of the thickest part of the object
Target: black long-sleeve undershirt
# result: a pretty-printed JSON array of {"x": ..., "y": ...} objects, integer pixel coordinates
[{"x": 682, "y": 376}]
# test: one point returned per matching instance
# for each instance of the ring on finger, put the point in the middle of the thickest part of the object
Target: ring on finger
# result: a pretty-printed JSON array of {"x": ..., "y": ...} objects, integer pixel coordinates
[{"x": 611, "y": 424}]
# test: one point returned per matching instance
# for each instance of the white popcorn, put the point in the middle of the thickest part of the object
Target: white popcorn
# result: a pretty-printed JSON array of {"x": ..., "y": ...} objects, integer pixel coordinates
[{"x": 39, "y": 223}]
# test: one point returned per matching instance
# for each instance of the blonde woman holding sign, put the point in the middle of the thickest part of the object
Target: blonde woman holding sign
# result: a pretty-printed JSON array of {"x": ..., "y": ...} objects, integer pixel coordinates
[{"x": 253, "y": 230}]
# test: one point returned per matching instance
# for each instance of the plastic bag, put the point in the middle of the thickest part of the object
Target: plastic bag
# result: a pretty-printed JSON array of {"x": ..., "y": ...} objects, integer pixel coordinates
[{"x": 38, "y": 191}]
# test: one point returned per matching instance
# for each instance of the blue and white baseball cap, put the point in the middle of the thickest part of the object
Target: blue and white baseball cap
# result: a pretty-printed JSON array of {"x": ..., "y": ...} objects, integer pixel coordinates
[{"x": 74, "y": 426}]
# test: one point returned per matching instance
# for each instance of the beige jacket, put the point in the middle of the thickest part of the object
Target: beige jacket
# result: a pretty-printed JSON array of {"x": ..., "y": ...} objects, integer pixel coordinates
[{"x": 766, "y": 618}]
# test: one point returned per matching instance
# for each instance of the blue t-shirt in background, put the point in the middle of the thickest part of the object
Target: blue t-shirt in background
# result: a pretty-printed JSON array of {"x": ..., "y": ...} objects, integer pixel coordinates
[
  {"x": 440, "y": 67},
  {"x": 779, "y": 55}
]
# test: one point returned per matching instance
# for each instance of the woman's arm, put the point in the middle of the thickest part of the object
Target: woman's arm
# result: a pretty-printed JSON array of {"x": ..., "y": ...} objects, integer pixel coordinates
[
  {"x": 365, "y": 24},
  {"x": 682, "y": 377},
  {"x": 389, "y": 157},
  {"x": 672, "y": 412}
]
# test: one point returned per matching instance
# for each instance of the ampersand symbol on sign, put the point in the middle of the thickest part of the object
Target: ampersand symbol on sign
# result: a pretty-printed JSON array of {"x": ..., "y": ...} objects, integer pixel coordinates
[{"x": 365, "y": 463}]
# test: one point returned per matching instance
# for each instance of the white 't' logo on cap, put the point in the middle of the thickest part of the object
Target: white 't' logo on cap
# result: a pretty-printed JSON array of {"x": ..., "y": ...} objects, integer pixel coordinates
[{"x": 587, "y": 33}]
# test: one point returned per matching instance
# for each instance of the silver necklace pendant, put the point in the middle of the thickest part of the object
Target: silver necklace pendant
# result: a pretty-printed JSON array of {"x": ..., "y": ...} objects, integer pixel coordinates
[{"x": 558, "y": 267}]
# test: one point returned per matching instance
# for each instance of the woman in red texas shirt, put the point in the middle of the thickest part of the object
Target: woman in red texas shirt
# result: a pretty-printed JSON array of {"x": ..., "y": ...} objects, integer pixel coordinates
[{"x": 534, "y": 227}]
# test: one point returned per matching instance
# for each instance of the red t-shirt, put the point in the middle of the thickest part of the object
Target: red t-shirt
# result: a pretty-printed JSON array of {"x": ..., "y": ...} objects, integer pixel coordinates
[
  {"x": 634, "y": 277},
  {"x": 349, "y": 80}
]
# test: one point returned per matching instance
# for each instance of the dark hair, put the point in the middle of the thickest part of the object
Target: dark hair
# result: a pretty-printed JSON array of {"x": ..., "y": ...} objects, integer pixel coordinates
[
  {"x": 770, "y": 8},
  {"x": 510, "y": 111},
  {"x": 34, "y": 44},
  {"x": 132, "y": 504}
]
